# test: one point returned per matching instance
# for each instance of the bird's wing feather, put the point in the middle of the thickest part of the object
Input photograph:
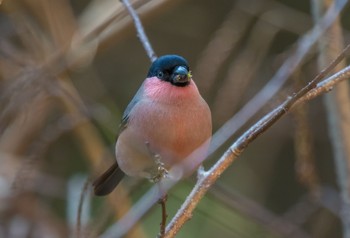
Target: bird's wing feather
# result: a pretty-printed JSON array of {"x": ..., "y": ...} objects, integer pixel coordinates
[
  {"x": 105, "y": 183},
  {"x": 129, "y": 108}
]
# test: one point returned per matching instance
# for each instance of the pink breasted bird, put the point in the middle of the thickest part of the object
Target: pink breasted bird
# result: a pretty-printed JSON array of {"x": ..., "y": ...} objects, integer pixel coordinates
[{"x": 166, "y": 124}]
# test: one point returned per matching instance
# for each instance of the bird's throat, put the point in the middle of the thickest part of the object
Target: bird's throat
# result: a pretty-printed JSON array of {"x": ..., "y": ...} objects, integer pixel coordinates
[{"x": 162, "y": 91}]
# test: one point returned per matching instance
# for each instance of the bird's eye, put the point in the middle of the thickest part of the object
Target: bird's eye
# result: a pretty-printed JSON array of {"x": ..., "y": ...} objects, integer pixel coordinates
[{"x": 160, "y": 74}]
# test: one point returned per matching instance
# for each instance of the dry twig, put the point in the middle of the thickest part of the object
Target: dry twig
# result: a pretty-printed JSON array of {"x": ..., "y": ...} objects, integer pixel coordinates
[
  {"x": 162, "y": 202},
  {"x": 140, "y": 31}
]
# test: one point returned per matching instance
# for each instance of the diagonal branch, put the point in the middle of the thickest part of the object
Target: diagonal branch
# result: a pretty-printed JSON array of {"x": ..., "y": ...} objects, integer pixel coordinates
[
  {"x": 278, "y": 80},
  {"x": 208, "y": 178}
]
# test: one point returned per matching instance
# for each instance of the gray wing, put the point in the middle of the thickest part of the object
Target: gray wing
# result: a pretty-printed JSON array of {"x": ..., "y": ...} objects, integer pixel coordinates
[
  {"x": 131, "y": 105},
  {"x": 105, "y": 183}
]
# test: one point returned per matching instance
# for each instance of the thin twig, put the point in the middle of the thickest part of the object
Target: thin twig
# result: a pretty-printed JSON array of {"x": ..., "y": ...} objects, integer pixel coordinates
[
  {"x": 305, "y": 167},
  {"x": 218, "y": 50},
  {"x": 209, "y": 178},
  {"x": 140, "y": 31},
  {"x": 162, "y": 202}
]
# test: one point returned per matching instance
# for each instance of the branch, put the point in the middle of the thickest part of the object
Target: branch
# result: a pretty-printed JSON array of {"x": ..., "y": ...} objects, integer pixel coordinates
[
  {"x": 278, "y": 80},
  {"x": 83, "y": 193},
  {"x": 208, "y": 178},
  {"x": 278, "y": 226},
  {"x": 140, "y": 31},
  {"x": 162, "y": 202}
]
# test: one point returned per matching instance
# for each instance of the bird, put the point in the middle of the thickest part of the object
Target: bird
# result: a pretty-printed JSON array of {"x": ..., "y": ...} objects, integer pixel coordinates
[{"x": 166, "y": 124}]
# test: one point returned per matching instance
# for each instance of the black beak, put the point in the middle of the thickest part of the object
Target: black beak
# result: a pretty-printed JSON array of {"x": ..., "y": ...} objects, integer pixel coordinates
[{"x": 180, "y": 76}]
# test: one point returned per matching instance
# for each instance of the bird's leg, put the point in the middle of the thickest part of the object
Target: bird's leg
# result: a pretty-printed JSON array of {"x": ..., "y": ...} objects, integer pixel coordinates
[{"x": 160, "y": 171}]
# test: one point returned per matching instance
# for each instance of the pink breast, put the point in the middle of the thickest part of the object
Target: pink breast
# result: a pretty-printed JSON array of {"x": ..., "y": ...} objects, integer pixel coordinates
[{"x": 176, "y": 120}]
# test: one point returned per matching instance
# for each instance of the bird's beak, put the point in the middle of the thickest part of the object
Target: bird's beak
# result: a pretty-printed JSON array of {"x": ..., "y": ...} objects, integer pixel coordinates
[{"x": 181, "y": 75}]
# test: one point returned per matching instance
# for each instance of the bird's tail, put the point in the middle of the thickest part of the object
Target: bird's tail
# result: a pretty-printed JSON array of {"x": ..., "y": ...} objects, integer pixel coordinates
[{"x": 106, "y": 182}]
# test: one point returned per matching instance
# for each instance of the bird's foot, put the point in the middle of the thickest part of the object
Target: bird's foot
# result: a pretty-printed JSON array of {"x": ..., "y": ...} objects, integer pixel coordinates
[
  {"x": 158, "y": 171},
  {"x": 161, "y": 172}
]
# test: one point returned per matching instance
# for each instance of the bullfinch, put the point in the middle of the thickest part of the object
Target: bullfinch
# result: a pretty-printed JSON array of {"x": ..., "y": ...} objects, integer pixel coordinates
[{"x": 166, "y": 124}]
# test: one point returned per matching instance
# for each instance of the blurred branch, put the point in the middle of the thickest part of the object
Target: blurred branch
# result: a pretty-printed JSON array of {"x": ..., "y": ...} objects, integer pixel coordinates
[
  {"x": 105, "y": 20},
  {"x": 338, "y": 110},
  {"x": 162, "y": 202},
  {"x": 218, "y": 50},
  {"x": 243, "y": 70},
  {"x": 94, "y": 149},
  {"x": 25, "y": 174},
  {"x": 281, "y": 226},
  {"x": 34, "y": 216},
  {"x": 83, "y": 193},
  {"x": 273, "y": 11},
  {"x": 275, "y": 84},
  {"x": 303, "y": 145},
  {"x": 82, "y": 46},
  {"x": 207, "y": 178}
]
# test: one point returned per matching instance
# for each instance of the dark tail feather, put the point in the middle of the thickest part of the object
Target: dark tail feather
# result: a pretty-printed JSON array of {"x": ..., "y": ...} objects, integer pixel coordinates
[{"x": 105, "y": 183}]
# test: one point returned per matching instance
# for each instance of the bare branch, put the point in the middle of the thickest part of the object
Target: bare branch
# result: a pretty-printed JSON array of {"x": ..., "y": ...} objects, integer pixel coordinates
[
  {"x": 210, "y": 177},
  {"x": 83, "y": 193},
  {"x": 140, "y": 31},
  {"x": 162, "y": 202}
]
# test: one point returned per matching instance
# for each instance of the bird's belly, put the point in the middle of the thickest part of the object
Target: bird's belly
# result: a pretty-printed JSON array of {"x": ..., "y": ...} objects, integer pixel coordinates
[
  {"x": 174, "y": 132},
  {"x": 170, "y": 133}
]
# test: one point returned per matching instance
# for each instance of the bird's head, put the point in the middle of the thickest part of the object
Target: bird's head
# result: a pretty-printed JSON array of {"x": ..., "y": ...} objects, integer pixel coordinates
[{"x": 171, "y": 68}]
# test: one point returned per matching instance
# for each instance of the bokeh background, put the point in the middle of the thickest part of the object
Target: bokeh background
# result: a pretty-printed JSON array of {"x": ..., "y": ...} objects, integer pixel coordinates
[{"x": 69, "y": 68}]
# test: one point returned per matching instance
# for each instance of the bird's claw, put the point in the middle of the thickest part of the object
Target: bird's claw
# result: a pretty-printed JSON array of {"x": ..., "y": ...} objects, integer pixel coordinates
[{"x": 160, "y": 171}]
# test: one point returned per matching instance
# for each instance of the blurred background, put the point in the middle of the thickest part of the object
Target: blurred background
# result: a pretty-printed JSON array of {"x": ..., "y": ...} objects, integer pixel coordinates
[{"x": 69, "y": 68}]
